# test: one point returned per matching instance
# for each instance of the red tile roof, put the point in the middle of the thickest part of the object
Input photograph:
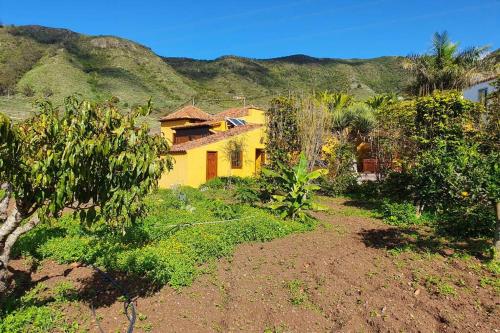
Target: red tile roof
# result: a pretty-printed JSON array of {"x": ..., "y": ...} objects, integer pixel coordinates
[
  {"x": 484, "y": 78},
  {"x": 232, "y": 113},
  {"x": 202, "y": 124},
  {"x": 182, "y": 147},
  {"x": 188, "y": 112}
]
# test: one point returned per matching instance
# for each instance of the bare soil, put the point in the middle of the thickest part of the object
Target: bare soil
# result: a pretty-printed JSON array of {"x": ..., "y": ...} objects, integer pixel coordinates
[{"x": 342, "y": 277}]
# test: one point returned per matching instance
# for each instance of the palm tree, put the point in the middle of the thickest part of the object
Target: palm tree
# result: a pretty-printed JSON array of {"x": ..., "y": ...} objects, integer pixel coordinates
[
  {"x": 446, "y": 67},
  {"x": 335, "y": 100},
  {"x": 353, "y": 122},
  {"x": 378, "y": 101}
]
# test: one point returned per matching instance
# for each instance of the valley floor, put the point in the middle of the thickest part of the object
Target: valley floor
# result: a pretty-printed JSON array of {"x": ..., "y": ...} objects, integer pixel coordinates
[{"x": 352, "y": 274}]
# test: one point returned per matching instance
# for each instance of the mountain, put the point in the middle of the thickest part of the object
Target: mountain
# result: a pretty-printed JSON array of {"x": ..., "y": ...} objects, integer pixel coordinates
[{"x": 37, "y": 61}]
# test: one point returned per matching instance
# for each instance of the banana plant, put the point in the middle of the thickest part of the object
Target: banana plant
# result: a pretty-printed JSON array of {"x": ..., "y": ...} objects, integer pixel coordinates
[{"x": 296, "y": 184}]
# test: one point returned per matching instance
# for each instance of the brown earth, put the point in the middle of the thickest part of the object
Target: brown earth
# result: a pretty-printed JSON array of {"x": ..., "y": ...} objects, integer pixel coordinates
[{"x": 339, "y": 278}]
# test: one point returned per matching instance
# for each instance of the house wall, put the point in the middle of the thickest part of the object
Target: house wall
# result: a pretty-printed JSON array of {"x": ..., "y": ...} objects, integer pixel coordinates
[
  {"x": 191, "y": 168},
  {"x": 472, "y": 93},
  {"x": 166, "y": 130},
  {"x": 255, "y": 116},
  {"x": 178, "y": 175}
]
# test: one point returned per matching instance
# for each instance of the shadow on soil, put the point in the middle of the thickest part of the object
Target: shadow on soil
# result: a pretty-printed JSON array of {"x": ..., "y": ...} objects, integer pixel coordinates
[
  {"x": 98, "y": 290},
  {"x": 366, "y": 205},
  {"x": 419, "y": 239},
  {"x": 423, "y": 240}
]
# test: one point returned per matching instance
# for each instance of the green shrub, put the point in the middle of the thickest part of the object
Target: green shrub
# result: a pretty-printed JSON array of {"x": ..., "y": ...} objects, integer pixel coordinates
[
  {"x": 394, "y": 213},
  {"x": 65, "y": 291},
  {"x": 366, "y": 191},
  {"x": 341, "y": 177},
  {"x": 215, "y": 183},
  {"x": 224, "y": 211},
  {"x": 458, "y": 183},
  {"x": 68, "y": 249},
  {"x": 397, "y": 186},
  {"x": 167, "y": 245},
  {"x": 339, "y": 185},
  {"x": 296, "y": 199},
  {"x": 28, "y": 90},
  {"x": 36, "y": 319},
  {"x": 37, "y": 310},
  {"x": 247, "y": 194},
  {"x": 227, "y": 182},
  {"x": 448, "y": 160}
]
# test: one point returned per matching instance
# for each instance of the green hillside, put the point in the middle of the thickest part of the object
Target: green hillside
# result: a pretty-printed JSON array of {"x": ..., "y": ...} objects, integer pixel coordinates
[
  {"x": 45, "y": 62},
  {"x": 259, "y": 80}
]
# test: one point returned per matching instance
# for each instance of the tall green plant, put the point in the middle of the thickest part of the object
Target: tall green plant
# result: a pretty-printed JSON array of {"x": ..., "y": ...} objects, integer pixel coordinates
[
  {"x": 90, "y": 158},
  {"x": 335, "y": 101},
  {"x": 282, "y": 139},
  {"x": 378, "y": 101},
  {"x": 445, "y": 67},
  {"x": 296, "y": 199},
  {"x": 353, "y": 122}
]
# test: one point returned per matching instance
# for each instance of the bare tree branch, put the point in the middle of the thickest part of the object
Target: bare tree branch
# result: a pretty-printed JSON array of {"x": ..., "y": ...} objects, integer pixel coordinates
[
  {"x": 4, "y": 202},
  {"x": 14, "y": 235},
  {"x": 10, "y": 224}
]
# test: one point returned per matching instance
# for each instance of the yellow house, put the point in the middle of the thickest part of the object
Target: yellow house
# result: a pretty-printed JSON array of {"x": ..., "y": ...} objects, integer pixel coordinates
[{"x": 204, "y": 146}]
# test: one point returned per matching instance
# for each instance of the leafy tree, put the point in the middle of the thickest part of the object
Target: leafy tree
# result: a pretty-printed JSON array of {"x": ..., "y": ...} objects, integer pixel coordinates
[
  {"x": 451, "y": 173},
  {"x": 297, "y": 186},
  {"x": 446, "y": 67},
  {"x": 460, "y": 184},
  {"x": 339, "y": 157},
  {"x": 491, "y": 128},
  {"x": 282, "y": 139},
  {"x": 446, "y": 116},
  {"x": 393, "y": 137},
  {"x": 89, "y": 158}
]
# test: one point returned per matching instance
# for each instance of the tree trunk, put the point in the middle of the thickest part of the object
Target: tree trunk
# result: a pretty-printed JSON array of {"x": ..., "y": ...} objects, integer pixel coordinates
[
  {"x": 10, "y": 232},
  {"x": 497, "y": 231}
]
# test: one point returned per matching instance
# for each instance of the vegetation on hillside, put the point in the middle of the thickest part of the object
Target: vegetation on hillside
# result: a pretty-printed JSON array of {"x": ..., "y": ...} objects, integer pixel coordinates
[
  {"x": 62, "y": 62},
  {"x": 55, "y": 63},
  {"x": 260, "y": 80}
]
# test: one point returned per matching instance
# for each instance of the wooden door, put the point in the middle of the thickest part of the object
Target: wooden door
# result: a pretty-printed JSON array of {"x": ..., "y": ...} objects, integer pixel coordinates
[
  {"x": 260, "y": 159},
  {"x": 211, "y": 164}
]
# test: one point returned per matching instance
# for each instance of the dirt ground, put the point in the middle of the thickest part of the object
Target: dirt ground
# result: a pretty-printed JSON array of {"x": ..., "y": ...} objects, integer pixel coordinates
[{"x": 342, "y": 277}]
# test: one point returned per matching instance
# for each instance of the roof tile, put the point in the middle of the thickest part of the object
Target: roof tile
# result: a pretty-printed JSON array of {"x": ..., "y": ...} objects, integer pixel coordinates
[
  {"x": 188, "y": 112},
  {"x": 182, "y": 147},
  {"x": 232, "y": 113}
]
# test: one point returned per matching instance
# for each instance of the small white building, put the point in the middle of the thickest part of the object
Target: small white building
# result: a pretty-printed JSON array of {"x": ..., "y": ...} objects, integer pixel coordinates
[{"x": 479, "y": 91}]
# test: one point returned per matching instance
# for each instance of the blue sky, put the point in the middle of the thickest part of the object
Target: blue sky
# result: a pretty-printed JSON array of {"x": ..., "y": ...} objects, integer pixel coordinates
[{"x": 267, "y": 28}]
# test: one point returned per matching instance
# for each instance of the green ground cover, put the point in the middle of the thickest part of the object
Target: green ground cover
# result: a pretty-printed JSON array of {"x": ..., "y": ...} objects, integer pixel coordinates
[{"x": 183, "y": 229}]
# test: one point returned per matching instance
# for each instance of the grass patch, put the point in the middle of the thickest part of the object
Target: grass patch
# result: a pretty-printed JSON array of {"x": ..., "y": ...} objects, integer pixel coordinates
[
  {"x": 439, "y": 286},
  {"x": 492, "y": 282},
  {"x": 39, "y": 310},
  {"x": 167, "y": 246},
  {"x": 298, "y": 295},
  {"x": 348, "y": 211}
]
